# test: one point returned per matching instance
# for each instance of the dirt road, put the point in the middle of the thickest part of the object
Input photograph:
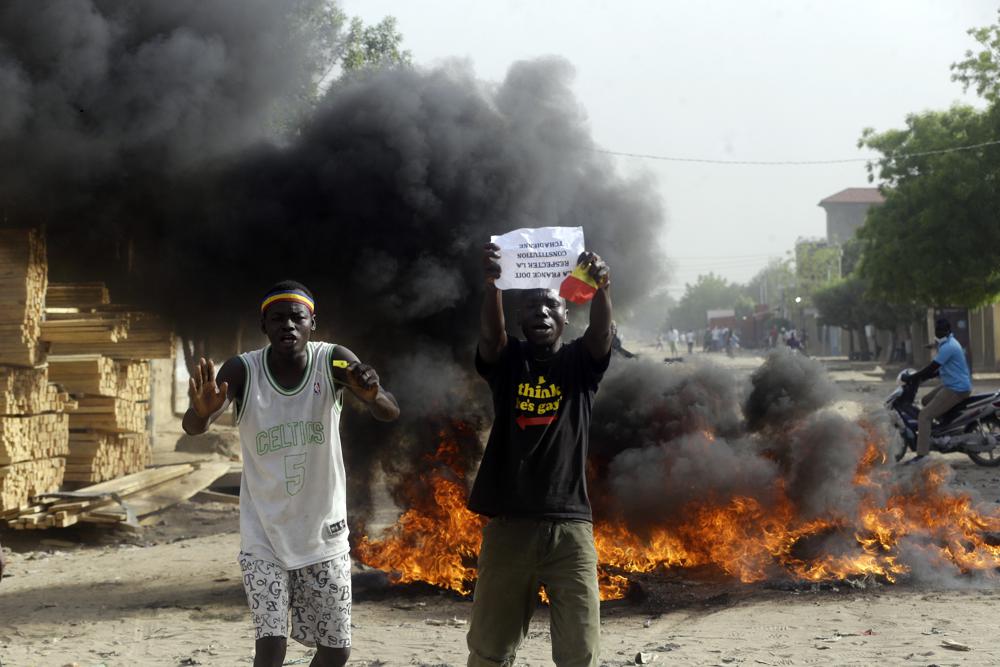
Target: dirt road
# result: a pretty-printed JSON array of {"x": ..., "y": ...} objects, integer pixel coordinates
[{"x": 171, "y": 595}]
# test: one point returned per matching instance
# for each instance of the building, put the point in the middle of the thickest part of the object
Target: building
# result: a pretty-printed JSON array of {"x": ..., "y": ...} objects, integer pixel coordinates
[{"x": 846, "y": 211}]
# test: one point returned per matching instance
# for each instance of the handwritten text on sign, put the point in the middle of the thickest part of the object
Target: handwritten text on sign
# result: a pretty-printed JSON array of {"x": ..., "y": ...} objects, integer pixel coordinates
[{"x": 537, "y": 258}]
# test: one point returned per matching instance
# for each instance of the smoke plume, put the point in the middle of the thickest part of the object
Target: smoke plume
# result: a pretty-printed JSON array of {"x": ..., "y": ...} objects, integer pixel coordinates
[
  {"x": 675, "y": 447},
  {"x": 146, "y": 137},
  {"x": 785, "y": 388}
]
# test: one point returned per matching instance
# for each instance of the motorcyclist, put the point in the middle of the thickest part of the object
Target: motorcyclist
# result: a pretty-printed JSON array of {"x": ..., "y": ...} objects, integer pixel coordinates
[{"x": 955, "y": 387}]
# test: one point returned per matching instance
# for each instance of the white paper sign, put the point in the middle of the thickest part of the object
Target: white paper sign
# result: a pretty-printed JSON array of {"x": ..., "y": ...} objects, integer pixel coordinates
[{"x": 537, "y": 258}]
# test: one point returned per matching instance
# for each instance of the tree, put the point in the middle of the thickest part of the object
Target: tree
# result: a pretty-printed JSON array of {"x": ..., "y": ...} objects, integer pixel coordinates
[
  {"x": 769, "y": 285},
  {"x": 927, "y": 241},
  {"x": 332, "y": 51},
  {"x": 817, "y": 264},
  {"x": 850, "y": 304},
  {"x": 932, "y": 240},
  {"x": 981, "y": 70},
  {"x": 709, "y": 292},
  {"x": 377, "y": 45},
  {"x": 840, "y": 305}
]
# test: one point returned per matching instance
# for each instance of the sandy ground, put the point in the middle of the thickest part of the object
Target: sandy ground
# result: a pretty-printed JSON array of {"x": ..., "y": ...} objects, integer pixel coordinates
[{"x": 171, "y": 595}]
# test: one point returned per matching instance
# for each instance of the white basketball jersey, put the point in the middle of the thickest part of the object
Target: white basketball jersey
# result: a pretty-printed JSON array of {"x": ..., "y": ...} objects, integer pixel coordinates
[{"x": 293, "y": 502}]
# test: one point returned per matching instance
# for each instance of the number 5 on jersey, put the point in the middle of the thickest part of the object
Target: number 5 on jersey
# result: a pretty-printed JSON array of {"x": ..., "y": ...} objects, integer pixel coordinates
[{"x": 295, "y": 472}]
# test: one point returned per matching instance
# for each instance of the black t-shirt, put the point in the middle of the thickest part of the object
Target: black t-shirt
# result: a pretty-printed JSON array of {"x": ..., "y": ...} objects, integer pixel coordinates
[{"x": 536, "y": 458}]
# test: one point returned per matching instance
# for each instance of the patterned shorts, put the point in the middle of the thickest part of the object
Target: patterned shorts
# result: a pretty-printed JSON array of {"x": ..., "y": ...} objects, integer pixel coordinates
[{"x": 318, "y": 597}]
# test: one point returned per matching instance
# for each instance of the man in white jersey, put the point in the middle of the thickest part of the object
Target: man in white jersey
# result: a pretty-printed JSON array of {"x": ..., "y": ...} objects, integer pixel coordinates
[{"x": 293, "y": 507}]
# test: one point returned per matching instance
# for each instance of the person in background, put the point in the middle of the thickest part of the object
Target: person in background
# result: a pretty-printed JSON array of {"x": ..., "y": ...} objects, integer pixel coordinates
[
  {"x": 672, "y": 339},
  {"x": 956, "y": 384},
  {"x": 616, "y": 343}
]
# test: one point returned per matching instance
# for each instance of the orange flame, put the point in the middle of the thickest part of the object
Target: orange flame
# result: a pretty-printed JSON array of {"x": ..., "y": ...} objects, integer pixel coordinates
[{"x": 438, "y": 542}]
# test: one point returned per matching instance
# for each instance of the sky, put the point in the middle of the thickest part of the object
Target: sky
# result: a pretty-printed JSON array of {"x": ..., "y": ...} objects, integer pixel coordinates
[{"x": 727, "y": 80}]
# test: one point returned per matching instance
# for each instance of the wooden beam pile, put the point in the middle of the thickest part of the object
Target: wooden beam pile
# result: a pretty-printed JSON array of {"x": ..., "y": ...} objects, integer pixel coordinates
[
  {"x": 113, "y": 415},
  {"x": 77, "y": 295},
  {"x": 34, "y": 426},
  {"x": 21, "y": 481},
  {"x": 97, "y": 455},
  {"x": 99, "y": 353},
  {"x": 33, "y": 437},
  {"x": 28, "y": 391},
  {"x": 146, "y": 336},
  {"x": 23, "y": 279},
  {"x": 97, "y": 375},
  {"x": 71, "y": 326},
  {"x": 139, "y": 495}
]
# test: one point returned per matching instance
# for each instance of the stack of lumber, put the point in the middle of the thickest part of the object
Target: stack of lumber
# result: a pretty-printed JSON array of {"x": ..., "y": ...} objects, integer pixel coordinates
[
  {"x": 73, "y": 327},
  {"x": 28, "y": 391},
  {"x": 20, "y": 481},
  {"x": 95, "y": 455},
  {"x": 99, "y": 353},
  {"x": 77, "y": 295},
  {"x": 126, "y": 500},
  {"x": 23, "y": 279},
  {"x": 145, "y": 336},
  {"x": 34, "y": 426},
  {"x": 33, "y": 437},
  {"x": 111, "y": 415},
  {"x": 101, "y": 376}
]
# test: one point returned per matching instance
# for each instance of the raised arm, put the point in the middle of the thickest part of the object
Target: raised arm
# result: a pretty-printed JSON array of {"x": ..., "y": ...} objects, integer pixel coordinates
[
  {"x": 926, "y": 373},
  {"x": 209, "y": 393},
  {"x": 492, "y": 328},
  {"x": 364, "y": 383},
  {"x": 598, "y": 337}
]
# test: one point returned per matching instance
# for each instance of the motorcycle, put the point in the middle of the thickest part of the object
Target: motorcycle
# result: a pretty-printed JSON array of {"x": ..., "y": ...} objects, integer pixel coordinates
[{"x": 972, "y": 427}]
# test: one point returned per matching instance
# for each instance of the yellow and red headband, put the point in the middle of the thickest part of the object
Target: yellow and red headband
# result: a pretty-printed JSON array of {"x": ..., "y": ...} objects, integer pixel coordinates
[{"x": 296, "y": 296}]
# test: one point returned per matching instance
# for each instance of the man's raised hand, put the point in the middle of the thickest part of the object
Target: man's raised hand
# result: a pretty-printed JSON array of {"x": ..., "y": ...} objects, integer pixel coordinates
[
  {"x": 206, "y": 397},
  {"x": 364, "y": 381},
  {"x": 596, "y": 267},
  {"x": 491, "y": 262}
]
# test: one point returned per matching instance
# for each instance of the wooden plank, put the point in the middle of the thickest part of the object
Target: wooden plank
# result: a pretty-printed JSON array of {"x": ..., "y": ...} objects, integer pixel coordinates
[
  {"x": 124, "y": 485},
  {"x": 216, "y": 497},
  {"x": 168, "y": 493}
]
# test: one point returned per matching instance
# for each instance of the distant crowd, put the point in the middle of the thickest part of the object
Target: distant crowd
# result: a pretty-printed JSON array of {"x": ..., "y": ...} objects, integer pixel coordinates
[{"x": 725, "y": 339}]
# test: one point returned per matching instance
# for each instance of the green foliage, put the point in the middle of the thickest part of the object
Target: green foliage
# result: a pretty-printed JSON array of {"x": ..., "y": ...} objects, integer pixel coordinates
[
  {"x": 709, "y": 292},
  {"x": 331, "y": 43},
  {"x": 817, "y": 264},
  {"x": 849, "y": 303},
  {"x": 850, "y": 256},
  {"x": 981, "y": 70},
  {"x": 839, "y": 303},
  {"x": 378, "y": 45},
  {"x": 932, "y": 240},
  {"x": 770, "y": 284}
]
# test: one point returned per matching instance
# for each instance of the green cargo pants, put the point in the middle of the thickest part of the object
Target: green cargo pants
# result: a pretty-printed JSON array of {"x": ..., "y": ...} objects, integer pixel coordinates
[{"x": 517, "y": 557}]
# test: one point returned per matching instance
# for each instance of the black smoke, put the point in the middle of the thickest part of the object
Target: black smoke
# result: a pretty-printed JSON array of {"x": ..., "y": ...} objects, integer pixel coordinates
[
  {"x": 666, "y": 438},
  {"x": 159, "y": 125},
  {"x": 101, "y": 101},
  {"x": 785, "y": 388}
]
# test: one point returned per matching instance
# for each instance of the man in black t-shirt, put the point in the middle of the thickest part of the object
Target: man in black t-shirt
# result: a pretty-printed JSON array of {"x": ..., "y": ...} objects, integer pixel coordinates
[{"x": 532, "y": 479}]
